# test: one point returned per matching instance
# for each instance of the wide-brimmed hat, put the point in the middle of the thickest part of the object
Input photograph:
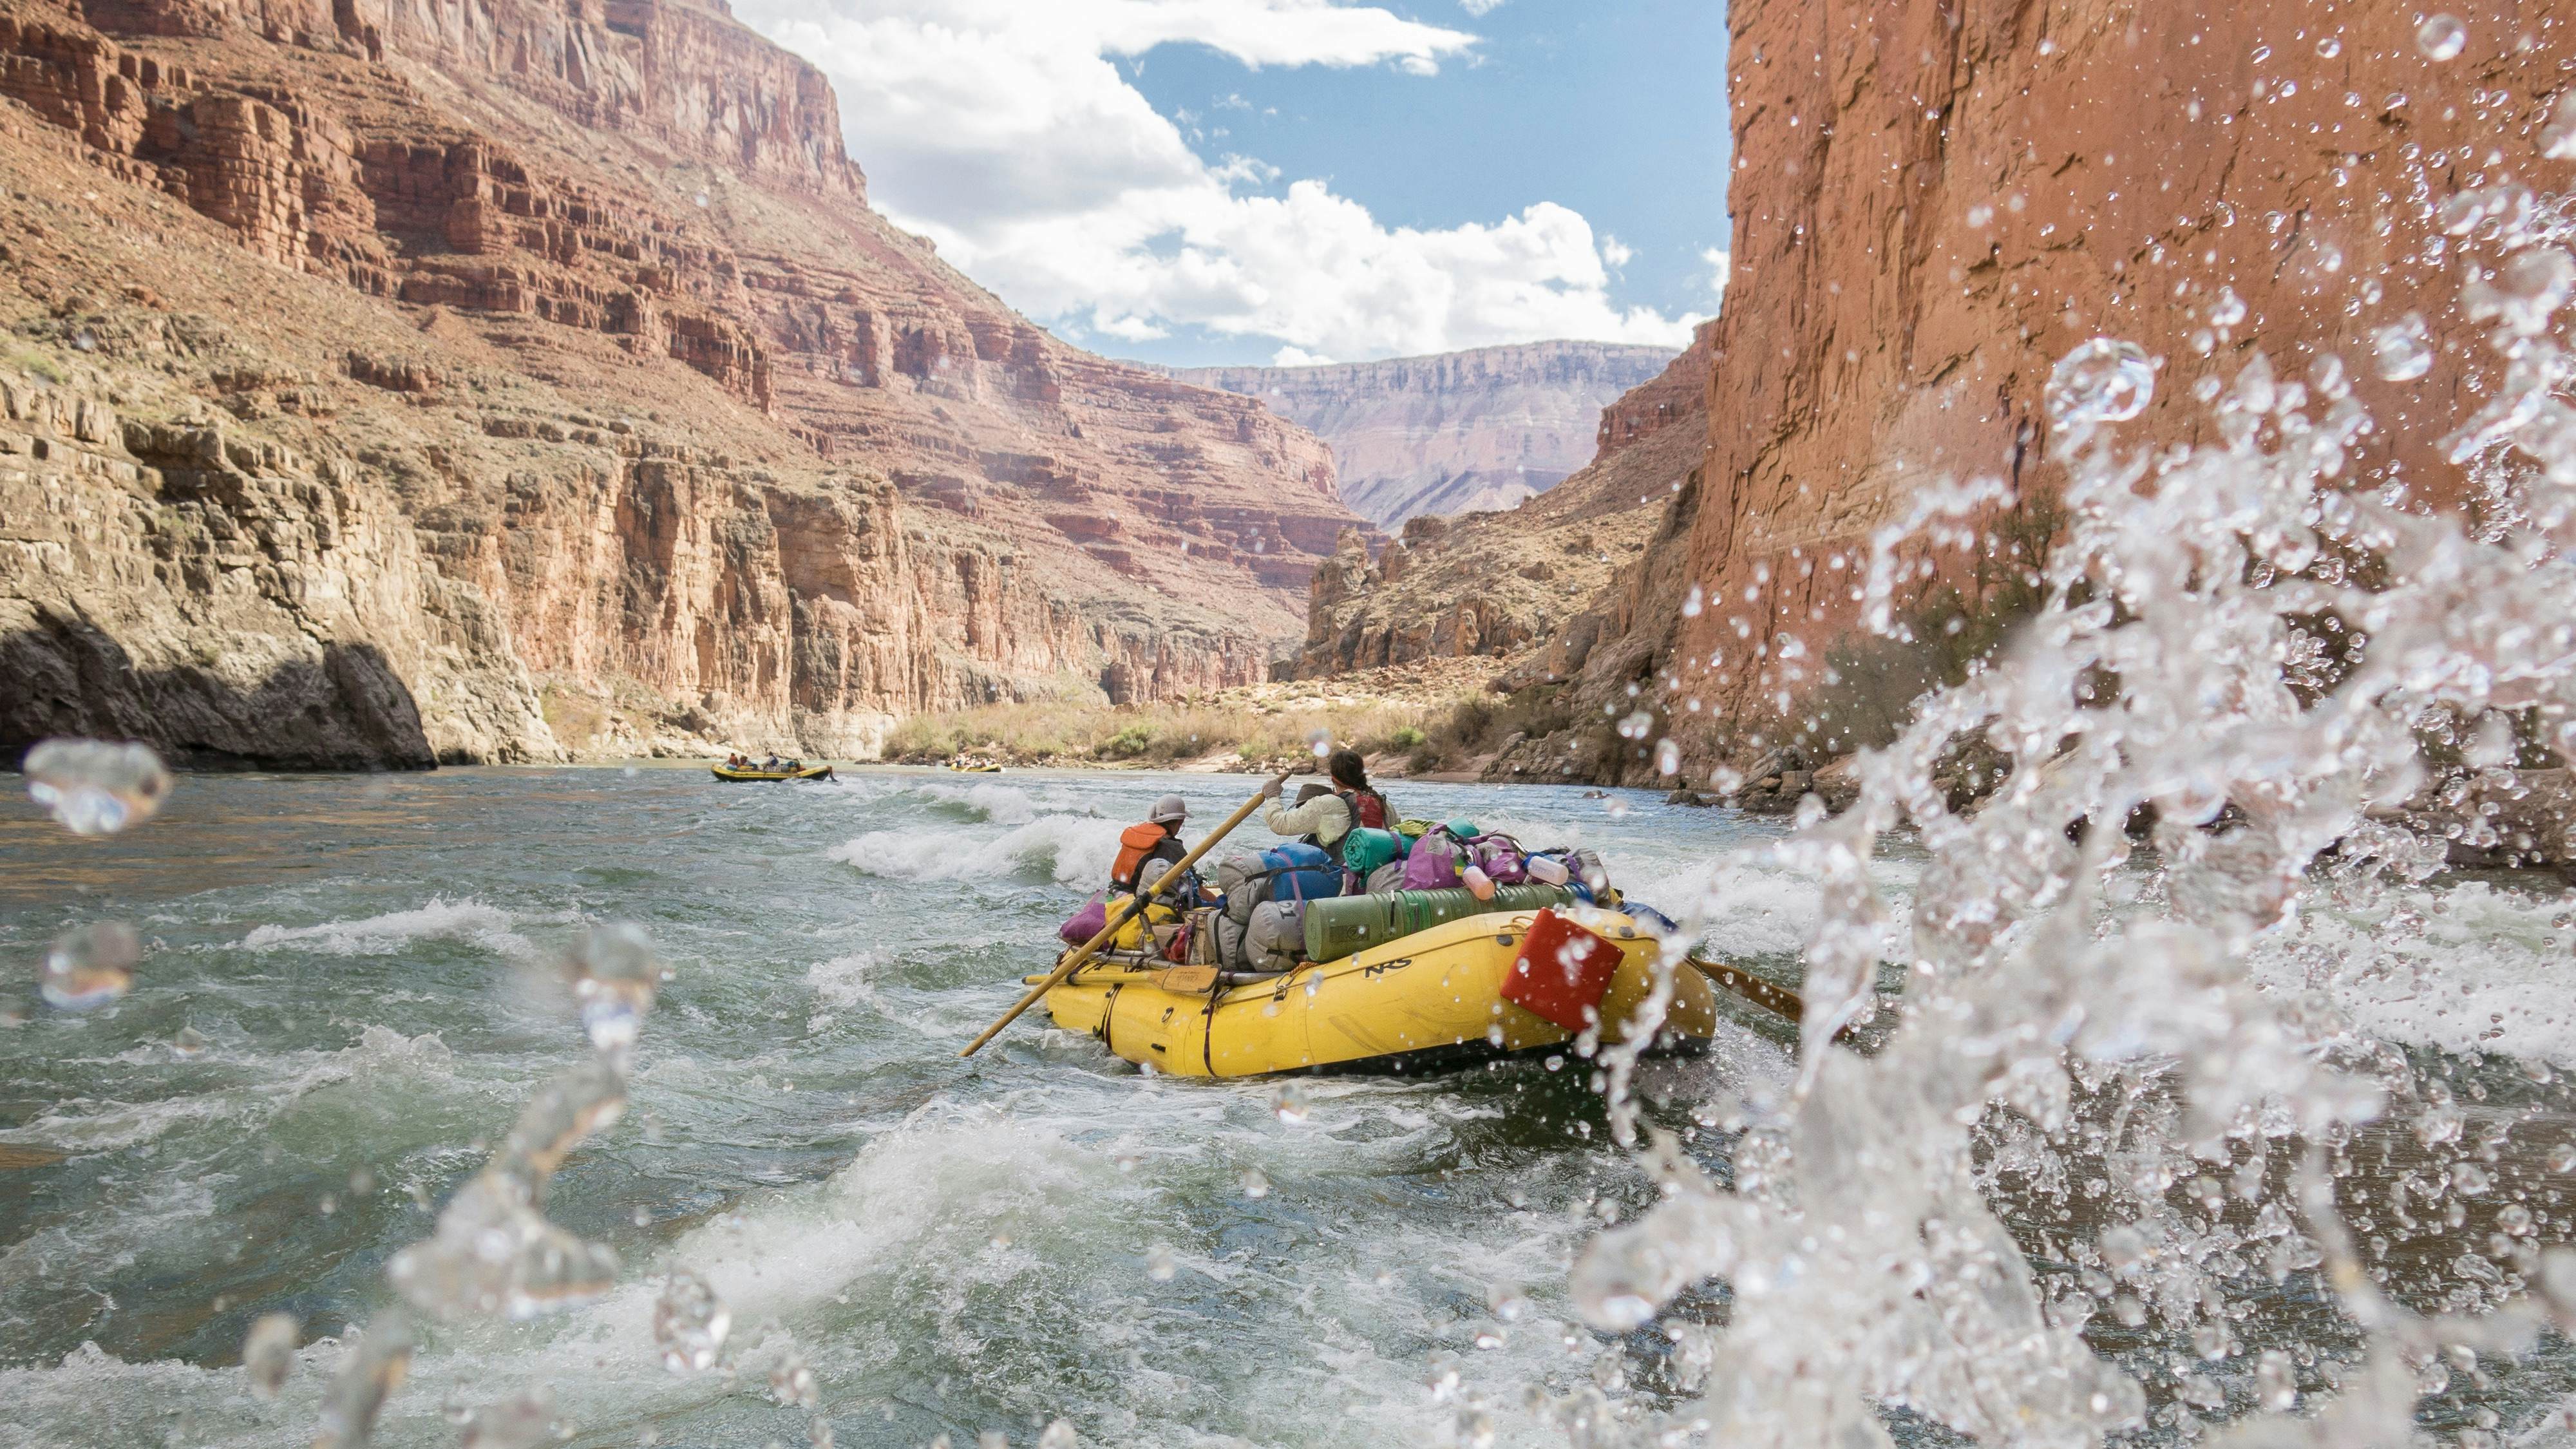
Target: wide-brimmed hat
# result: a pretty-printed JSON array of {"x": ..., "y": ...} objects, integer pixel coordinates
[
  {"x": 1309, "y": 792},
  {"x": 1170, "y": 810}
]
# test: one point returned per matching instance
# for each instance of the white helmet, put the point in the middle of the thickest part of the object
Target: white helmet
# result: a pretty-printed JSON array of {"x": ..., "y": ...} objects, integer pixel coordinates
[{"x": 1170, "y": 810}]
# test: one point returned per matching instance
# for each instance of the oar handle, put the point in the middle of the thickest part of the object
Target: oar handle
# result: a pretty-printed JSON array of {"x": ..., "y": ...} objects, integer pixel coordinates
[
  {"x": 1074, "y": 962},
  {"x": 1776, "y": 999}
]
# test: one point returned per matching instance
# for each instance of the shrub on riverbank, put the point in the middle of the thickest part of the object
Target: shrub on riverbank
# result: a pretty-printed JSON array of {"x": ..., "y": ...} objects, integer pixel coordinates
[{"x": 1157, "y": 735}]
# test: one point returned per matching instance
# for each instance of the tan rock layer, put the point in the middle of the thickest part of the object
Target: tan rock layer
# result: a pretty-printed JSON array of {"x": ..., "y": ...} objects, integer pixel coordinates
[
  {"x": 587, "y": 298},
  {"x": 1935, "y": 203}
]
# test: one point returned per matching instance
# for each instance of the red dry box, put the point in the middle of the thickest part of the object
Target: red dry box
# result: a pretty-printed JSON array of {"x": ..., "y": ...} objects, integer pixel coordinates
[{"x": 1562, "y": 971}]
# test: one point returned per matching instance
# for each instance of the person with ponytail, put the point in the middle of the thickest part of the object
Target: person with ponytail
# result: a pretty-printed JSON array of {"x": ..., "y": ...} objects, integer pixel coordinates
[{"x": 1325, "y": 815}]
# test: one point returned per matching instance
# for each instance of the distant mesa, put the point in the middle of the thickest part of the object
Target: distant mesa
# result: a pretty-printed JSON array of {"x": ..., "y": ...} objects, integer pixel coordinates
[{"x": 1458, "y": 432}]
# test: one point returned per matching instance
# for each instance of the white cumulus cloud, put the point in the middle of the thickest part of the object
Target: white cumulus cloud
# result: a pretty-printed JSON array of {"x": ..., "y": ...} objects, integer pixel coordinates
[
  {"x": 1006, "y": 131},
  {"x": 1721, "y": 267}
]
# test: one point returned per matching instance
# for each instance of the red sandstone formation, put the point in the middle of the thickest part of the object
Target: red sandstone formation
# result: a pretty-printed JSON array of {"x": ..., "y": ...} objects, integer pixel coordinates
[
  {"x": 1935, "y": 203},
  {"x": 582, "y": 307}
]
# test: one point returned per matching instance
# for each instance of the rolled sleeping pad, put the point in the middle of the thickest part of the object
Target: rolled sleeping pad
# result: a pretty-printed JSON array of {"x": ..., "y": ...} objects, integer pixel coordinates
[{"x": 1347, "y": 925}]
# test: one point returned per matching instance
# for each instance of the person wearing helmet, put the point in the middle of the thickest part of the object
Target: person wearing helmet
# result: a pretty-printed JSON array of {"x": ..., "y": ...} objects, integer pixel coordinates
[{"x": 1148, "y": 849}]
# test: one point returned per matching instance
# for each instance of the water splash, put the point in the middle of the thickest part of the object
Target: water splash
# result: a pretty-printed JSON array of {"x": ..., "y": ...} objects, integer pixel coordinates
[
  {"x": 2404, "y": 350},
  {"x": 370, "y": 1371},
  {"x": 689, "y": 1324},
  {"x": 614, "y": 978},
  {"x": 268, "y": 1353},
  {"x": 89, "y": 966},
  {"x": 2112, "y": 1049},
  {"x": 96, "y": 788},
  {"x": 525, "y": 1420}
]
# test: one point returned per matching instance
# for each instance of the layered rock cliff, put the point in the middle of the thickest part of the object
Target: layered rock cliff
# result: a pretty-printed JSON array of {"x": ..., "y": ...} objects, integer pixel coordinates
[
  {"x": 1935, "y": 203},
  {"x": 1460, "y": 432},
  {"x": 503, "y": 380},
  {"x": 1510, "y": 585}
]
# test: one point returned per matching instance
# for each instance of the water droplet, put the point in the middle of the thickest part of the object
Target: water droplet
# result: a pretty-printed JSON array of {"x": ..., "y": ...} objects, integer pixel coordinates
[
  {"x": 2228, "y": 310},
  {"x": 90, "y": 966},
  {"x": 1255, "y": 1185},
  {"x": 1320, "y": 741},
  {"x": 1289, "y": 1104},
  {"x": 369, "y": 1372},
  {"x": 689, "y": 1324},
  {"x": 792, "y": 1383},
  {"x": 268, "y": 1353},
  {"x": 1668, "y": 757},
  {"x": 1980, "y": 216},
  {"x": 2329, "y": 46},
  {"x": 190, "y": 1042},
  {"x": 1160, "y": 1265},
  {"x": 1058, "y": 1435},
  {"x": 2404, "y": 353},
  {"x": 493, "y": 1254},
  {"x": 525, "y": 1420},
  {"x": 2101, "y": 381},
  {"x": 614, "y": 976},
  {"x": 2441, "y": 37},
  {"x": 1475, "y": 1429},
  {"x": 2526, "y": 291},
  {"x": 2558, "y": 138},
  {"x": 2469, "y": 1179},
  {"x": 2562, "y": 1158},
  {"x": 1508, "y": 1302},
  {"x": 96, "y": 788},
  {"x": 2276, "y": 1382}
]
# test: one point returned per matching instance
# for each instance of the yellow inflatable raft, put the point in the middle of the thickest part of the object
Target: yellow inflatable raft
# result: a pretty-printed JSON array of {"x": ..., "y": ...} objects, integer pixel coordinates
[
  {"x": 810, "y": 772},
  {"x": 1428, "y": 1002}
]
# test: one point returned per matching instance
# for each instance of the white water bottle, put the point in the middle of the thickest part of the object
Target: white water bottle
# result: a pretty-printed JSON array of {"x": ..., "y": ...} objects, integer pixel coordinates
[
  {"x": 1479, "y": 884},
  {"x": 1548, "y": 870}
]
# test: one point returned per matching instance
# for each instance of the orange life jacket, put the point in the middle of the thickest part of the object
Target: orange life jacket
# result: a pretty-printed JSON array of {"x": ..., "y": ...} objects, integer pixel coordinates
[{"x": 1135, "y": 844}]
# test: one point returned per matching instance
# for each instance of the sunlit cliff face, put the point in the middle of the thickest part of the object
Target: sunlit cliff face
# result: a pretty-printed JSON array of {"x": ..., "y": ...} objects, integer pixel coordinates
[{"x": 2123, "y": 1163}]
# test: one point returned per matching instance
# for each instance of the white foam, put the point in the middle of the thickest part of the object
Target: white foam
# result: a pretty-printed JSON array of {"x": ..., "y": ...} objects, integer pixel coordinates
[
  {"x": 467, "y": 920},
  {"x": 2463, "y": 968},
  {"x": 844, "y": 980},
  {"x": 1072, "y": 850},
  {"x": 83, "y": 1125}
]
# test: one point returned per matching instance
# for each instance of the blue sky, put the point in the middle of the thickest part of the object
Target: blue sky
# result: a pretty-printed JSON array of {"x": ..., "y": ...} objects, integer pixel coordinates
[
  {"x": 1614, "y": 108},
  {"x": 1235, "y": 181}
]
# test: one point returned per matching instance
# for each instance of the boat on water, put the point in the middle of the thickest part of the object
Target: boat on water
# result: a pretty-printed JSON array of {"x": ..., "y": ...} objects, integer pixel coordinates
[
  {"x": 1433, "y": 1000},
  {"x": 811, "y": 772},
  {"x": 977, "y": 769}
]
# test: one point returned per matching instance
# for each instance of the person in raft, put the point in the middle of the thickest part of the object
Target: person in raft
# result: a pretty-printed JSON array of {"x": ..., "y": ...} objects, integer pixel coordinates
[
  {"x": 1325, "y": 814},
  {"x": 1148, "y": 849}
]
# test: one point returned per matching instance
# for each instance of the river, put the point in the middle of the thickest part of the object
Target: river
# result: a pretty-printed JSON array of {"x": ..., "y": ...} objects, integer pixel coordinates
[{"x": 952, "y": 1246}]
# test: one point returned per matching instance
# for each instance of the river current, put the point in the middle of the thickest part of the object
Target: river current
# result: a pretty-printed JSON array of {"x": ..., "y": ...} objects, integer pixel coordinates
[{"x": 955, "y": 1247}]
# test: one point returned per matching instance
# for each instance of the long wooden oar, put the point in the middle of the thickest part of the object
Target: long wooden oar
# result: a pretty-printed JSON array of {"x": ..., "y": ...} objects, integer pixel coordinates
[
  {"x": 1117, "y": 918},
  {"x": 1771, "y": 997}
]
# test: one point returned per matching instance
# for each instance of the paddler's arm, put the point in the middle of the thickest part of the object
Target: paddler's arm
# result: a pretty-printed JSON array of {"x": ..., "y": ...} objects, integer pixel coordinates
[{"x": 1325, "y": 817}]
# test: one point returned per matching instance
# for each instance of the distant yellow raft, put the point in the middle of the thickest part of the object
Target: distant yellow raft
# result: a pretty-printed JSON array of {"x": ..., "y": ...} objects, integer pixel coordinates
[
  {"x": 810, "y": 772},
  {"x": 1428, "y": 1002}
]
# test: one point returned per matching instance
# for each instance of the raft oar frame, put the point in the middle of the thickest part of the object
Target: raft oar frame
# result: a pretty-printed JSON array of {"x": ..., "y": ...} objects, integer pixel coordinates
[{"x": 1075, "y": 959}]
